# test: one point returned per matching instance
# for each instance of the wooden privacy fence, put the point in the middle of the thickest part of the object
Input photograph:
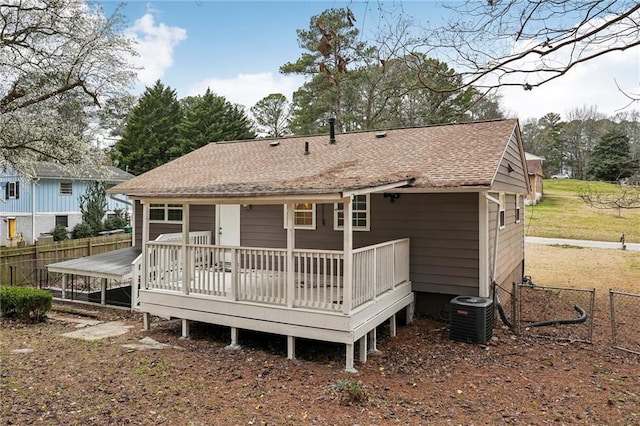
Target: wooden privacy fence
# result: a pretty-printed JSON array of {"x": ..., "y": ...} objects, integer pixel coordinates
[{"x": 38, "y": 256}]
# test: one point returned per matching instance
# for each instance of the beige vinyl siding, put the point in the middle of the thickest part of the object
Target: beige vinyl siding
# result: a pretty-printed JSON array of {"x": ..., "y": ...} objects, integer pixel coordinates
[
  {"x": 510, "y": 255},
  {"x": 443, "y": 229},
  {"x": 516, "y": 181}
]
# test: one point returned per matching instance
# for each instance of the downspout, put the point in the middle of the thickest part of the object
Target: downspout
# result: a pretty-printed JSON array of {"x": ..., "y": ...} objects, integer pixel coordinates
[
  {"x": 496, "y": 239},
  {"x": 33, "y": 211}
]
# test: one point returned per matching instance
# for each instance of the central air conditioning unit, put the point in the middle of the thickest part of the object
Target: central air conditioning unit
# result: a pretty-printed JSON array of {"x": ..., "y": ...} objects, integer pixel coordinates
[{"x": 471, "y": 319}]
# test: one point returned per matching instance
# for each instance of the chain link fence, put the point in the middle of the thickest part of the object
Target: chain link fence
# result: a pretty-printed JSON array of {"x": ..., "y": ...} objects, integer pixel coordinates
[
  {"x": 553, "y": 312},
  {"x": 77, "y": 287},
  {"x": 625, "y": 319}
]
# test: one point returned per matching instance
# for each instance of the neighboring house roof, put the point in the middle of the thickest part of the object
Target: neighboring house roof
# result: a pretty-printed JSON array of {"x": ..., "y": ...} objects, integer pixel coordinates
[
  {"x": 446, "y": 156},
  {"x": 50, "y": 170},
  {"x": 534, "y": 167},
  {"x": 530, "y": 156}
]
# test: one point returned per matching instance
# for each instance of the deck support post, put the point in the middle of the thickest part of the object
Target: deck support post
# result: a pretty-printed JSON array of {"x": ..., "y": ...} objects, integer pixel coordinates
[
  {"x": 234, "y": 339},
  {"x": 392, "y": 325},
  {"x": 349, "y": 364},
  {"x": 373, "y": 342},
  {"x": 146, "y": 321},
  {"x": 363, "y": 349},
  {"x": 410, "y": 312},
  {"x": 291, "y": 347},
  {"x": 103, "y": 291},
  {"x": 63, "y": 283},
  {"x": 185, "y": 328}
]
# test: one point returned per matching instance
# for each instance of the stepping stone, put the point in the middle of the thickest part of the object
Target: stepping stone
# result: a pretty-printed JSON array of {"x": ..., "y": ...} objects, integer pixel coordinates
[{"x": 100, "y": 331}]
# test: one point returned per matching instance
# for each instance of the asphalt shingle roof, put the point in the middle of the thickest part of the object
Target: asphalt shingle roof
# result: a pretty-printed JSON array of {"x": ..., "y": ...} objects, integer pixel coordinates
[
  {"x": 446, "y": 156},
  {"x": 50, "y": 170}
]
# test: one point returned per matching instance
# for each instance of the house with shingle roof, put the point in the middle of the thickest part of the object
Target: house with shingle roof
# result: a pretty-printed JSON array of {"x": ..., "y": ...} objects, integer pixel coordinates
[
  {"x": 33, "y": 203},
  {"x": 435, "y": 212},
  {"x": 536, "y": 176}
]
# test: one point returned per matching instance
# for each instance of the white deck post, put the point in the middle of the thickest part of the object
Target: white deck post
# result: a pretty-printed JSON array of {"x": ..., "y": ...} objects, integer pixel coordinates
[
  {"x": 234, "y": 339},
  {"x": 392, "y": 325},
  {"x": 291, "y": 347},
  {"x": 103, "y": 291},
  {"x": 349, "y": 364},
  {"x": 291, "y": 243},
  {"x": 146, "y": 321},
  {"x": 185, "y": 328},
  {"x": 234, "y": 273},
  {"x": 363, "y": 349},
  {"x": 373, "y": 342},
  {"x": 347, "y": 234},
  {"x": 186, "y": 267},
  {"x": 144, "y": 282}
]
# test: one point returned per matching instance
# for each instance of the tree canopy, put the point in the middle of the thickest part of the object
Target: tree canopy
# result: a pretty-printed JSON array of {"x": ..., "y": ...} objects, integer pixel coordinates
[
  {"x": 161, "y": 128},
  {"x": 611, "y": 158},
  {"x": 58, "y": 60},
  {"x": 211, "y": 118},
  {"x": 350, "y": 81},
  {"x": 272, "y": 113},
  {"x": 150, "y": 137}
]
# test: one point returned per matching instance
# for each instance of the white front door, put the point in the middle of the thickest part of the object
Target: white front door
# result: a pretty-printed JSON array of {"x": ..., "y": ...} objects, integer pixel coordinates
[{"x": 228, "y": 224}]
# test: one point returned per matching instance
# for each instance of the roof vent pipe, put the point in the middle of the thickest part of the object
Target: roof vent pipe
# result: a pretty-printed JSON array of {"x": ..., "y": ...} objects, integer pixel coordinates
[
  {"x": 306, "y": 148},
  {"x": 332, "y": 130}
]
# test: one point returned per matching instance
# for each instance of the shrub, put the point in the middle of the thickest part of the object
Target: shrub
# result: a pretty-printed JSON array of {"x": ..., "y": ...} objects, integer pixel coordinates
[
  {"x": 83, "y": 230},
  {"x": 25, "y": 303},
  {"x": 60, "y": 233},
  {"x": 351, "y": 391},
  {"x": 118, "y": 220}
]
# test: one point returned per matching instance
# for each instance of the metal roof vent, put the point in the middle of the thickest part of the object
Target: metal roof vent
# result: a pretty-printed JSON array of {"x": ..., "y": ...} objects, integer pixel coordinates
[
  {"x": 332, "y": 131},
  {"x": 381, "y": 135},
  {"x": 274, "y": 143}
]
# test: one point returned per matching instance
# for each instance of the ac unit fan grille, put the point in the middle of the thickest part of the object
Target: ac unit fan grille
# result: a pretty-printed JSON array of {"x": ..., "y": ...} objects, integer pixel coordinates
[{"x": 471, "y": 319}]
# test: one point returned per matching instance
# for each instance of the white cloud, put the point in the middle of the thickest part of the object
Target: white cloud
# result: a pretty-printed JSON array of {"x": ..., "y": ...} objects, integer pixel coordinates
[
  {"x": 155, "y": 46},
  {"x": 590, "y": 83},
  {"x": 247, "y": 89}
]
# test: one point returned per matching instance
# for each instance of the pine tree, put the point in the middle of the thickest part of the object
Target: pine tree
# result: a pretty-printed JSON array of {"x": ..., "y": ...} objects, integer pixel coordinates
[
  {"x": 211, "y": 118},
  {"x": 611, "y": 158},
  {"x": 150, "y": 137}
]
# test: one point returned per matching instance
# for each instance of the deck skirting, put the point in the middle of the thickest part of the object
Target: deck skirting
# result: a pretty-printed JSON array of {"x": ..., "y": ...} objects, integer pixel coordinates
[{"x": 296, "y": 322}]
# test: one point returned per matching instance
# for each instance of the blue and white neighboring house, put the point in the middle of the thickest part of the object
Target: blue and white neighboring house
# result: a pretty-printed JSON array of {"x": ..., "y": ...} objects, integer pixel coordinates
[{"x": 31, "y": 206}]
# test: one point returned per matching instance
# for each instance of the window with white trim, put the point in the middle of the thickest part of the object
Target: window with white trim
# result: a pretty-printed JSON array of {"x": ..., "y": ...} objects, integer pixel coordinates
[
  {"x": 359, "y": 213},
  {"x": 66, "y": 188},
  {"x": 12, "y": 190},
  {"x": 518, "y": 200},
  {"x": 502, "y": 210},
  {"x": 304, "y": 216},
  {"x": 162, "y": 213}
]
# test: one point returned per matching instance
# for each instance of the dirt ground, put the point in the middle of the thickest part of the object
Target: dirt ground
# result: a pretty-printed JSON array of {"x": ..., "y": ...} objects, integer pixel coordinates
[{"x": 420, "y": 377}]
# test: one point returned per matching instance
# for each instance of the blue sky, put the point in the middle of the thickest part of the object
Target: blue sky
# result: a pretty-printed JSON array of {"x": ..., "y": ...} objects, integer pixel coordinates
[{"x": 236, "y": 48}]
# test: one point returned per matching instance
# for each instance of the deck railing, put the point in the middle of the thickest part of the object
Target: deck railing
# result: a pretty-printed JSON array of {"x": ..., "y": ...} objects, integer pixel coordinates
[
  {"x": 379, "y": 268},
  {"x": 260, "y": 274}
]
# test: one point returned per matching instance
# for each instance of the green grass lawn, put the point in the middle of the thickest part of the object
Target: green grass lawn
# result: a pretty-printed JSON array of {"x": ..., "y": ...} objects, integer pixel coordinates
[{"x": 562, "y": 214}]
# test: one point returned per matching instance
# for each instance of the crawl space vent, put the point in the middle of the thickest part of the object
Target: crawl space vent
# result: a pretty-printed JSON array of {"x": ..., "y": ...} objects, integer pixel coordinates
[{"x": 471, "y": 319}]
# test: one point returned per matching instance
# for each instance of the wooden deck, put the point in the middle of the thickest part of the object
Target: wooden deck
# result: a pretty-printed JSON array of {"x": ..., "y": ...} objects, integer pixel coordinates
[{"x": 253, "y": 288}]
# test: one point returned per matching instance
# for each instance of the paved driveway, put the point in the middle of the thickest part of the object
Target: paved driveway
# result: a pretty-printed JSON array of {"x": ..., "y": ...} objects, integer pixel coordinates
[{"x": 582, "y": 243}]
